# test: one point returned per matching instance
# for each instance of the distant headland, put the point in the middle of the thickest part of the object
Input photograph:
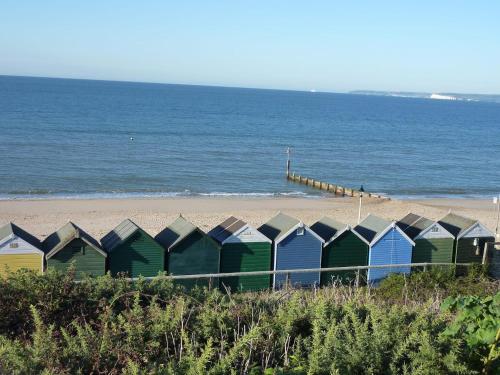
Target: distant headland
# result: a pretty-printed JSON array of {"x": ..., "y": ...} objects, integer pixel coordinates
[{"x": 436, "y": 96}]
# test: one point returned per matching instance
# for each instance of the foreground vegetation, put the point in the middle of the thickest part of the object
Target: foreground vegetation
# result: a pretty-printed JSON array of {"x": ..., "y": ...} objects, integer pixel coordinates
[{"x": 422, "y": 324}]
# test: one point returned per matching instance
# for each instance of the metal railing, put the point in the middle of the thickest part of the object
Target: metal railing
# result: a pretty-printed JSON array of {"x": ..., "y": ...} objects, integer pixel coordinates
[{"x": 295, "y": 271}]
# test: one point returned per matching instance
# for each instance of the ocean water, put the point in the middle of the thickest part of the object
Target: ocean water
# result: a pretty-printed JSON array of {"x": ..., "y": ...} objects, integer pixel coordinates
[{"x": 80, "y": 138}]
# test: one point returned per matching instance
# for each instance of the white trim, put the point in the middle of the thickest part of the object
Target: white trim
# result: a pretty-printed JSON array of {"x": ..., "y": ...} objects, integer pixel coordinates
[
  {"x": 242, "y": 229},
  {"x": 7, "y": 238},
  {"x": 347, "y": 228},
  {"x": 421, "y": 234},
  {"x": 13, "y": 237},
  {"x": 52, "y": 252},
  {"x": 472, "y": 227},
  {"x": 298, "y": 225},
  {"x": 393, "y": 225}
]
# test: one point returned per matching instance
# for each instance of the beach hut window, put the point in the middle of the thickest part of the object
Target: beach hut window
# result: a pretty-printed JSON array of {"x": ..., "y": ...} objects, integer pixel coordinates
[
  {"x": 14, "y": 245},
  {"x": 435, "y": 229},
  {"x": 300, "y": 231}
]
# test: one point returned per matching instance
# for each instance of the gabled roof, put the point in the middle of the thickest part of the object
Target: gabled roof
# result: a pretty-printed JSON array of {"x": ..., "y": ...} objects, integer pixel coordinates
[
  {"x": 277, "y": 227},
  {"x": 226, "y": 229},
  {"x": 120, "y": 234},
  {"x": 408, "y": 220},
  {"x": 328, "y": 228},
  {"x": 372, "y": 226},
  {"x": 12, "y": 229},
  {"x": 176, "y": 233},
  {"x": 413, "y": 224},
  {"x": 456, "y": 224},
  {"x": 64, "y": 235},
  {"x": 281, "y": 226}
]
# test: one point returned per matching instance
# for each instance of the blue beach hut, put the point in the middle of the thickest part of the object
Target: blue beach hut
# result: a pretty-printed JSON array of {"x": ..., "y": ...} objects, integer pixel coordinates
[
  {"x": 388, "y": 245},
  {"x": 295, "y": 246}
]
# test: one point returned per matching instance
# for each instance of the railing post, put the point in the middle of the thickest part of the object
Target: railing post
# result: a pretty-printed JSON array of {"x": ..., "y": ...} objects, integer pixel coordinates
[
  {"x": 358, "y": 275},
  {"x": 485, "y": 252},
  {"x": 287, "y": 280},
  {"x": 209, "y": 283}
]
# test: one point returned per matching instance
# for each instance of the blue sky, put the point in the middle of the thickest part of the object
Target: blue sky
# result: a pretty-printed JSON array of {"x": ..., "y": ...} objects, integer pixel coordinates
[{"x": 441, "y": 46}]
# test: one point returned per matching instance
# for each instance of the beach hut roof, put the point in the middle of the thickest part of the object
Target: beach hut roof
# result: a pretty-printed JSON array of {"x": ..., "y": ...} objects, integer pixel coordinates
[
  {"x": 176, "y": 232},
  {"x": 413, "y": 224},
  {"x": 372, "y": 226},
  {"x": 456, "y": 224},
  {"x": 119, "y": 235},
  {"x": 226, "y": 229},
  {"x": 279, "y": 226},
  {"x": 11, "y": 229},
  {"x": 460, "y": 225},
  {"x": 64, "y": 235},
  {"x": 329, "y": 229}
]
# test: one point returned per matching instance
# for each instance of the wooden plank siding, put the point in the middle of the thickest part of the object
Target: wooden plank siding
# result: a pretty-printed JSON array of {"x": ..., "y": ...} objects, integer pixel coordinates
[
  {"x": 296, "y": 252},
  {"x": 392, "y": 248},
  {"x": 434, "y": 250},
  {"x": 466, "y": 251},
  {"x": 16, "y": 262},
  {"x": 197, "y": 254},
  {"x": 139, "y": 255},
  {"x": 86, "y": 259},
  {"x": 246, "y": 257},
  {"x": 345, "y": 251}
]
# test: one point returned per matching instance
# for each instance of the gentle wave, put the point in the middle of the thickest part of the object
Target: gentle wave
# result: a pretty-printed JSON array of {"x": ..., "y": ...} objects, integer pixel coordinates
[{"x": 125, "y": 195}]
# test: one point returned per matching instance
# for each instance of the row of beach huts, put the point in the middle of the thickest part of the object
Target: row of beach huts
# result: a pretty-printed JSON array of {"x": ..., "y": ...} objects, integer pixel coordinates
[{"x": 282, "y": 243}]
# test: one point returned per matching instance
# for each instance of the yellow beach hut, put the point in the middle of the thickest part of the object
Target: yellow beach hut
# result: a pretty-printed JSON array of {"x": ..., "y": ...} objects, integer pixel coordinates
[{"x": 19, "y": 249}]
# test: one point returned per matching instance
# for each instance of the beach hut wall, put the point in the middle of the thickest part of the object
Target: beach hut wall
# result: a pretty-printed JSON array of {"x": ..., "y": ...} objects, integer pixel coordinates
[
  {"x": 243, "y": 249},
  {"x": 343, "y": 247},
  {"x": 19, "y": 250},
  {"x": 189, "y": 252},
  {"x": 470, "y": 237},
  {"x": 133, "y": 251},
  {"x": 71, "y": 246},
  {"x": 295, "y": 246},
  {"x": 388, "y": 245},
  {"x": 433, "y": 243}
]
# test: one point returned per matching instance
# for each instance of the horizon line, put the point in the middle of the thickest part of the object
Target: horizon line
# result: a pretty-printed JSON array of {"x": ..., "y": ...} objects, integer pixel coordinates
[{"x": 311, "y": 90}]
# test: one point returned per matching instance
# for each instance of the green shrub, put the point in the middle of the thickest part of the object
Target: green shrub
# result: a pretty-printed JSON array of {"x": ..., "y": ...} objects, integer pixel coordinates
[{"x": 107, "y": 325}]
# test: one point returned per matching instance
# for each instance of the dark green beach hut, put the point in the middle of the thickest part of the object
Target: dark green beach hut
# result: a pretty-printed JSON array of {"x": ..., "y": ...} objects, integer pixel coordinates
[
  {"x": 190, "y": 252},
  {"x": 243, "y": 249},
  {"x": 132, "y": 251},
  {"x": 470, "y": 237},
  {"x": 433, "y": 243},
  {"x": 343, "y": 247},
  {"x": 70, "y": 245}
]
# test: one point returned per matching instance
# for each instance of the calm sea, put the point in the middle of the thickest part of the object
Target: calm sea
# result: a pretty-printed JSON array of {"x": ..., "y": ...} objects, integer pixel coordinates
[{"x": 80, "y": 138}]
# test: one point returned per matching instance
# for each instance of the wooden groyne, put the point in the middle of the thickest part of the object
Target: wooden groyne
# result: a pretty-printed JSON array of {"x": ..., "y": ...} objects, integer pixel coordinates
[
  {"x": 326, "y": 186},
  {"x": 330, "y": 188}
]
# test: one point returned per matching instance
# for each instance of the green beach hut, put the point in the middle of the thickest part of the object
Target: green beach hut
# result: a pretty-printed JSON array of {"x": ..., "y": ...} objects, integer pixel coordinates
[
  {"x": 70, "y": 245},
  {"x": 343, "y": 247},
  {"x": 243, "y": 249},
  {"x": 133, "y": 251},
  {"x": 190, "y": 252},
  {"x": 433, "y": 243},
  {"x": 470, "y": 237}
]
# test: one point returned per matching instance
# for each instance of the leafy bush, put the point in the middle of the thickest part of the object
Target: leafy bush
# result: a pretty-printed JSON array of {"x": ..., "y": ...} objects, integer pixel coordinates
[
  {"x": 477, "y": 321},
  {"x": 107, "y": 325}
]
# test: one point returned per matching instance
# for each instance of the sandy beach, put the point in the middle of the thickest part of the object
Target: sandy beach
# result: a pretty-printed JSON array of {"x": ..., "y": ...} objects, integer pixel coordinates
[{"x": 41, "y": 217}]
